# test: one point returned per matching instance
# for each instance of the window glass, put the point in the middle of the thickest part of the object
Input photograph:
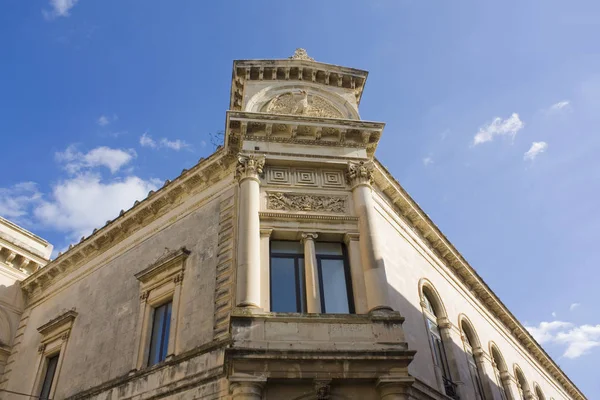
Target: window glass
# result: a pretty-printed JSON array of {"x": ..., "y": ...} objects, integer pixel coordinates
[
  {"x": 286, "y": 247},
  {"x": 329, "y": 249},
  {"x": 52, "y": 362},
  {"x": 335, "y": 291},
  {"x": 159, "y": 341},
  {"x": 287, "y": 284},
  {"x": 428, "y": 304}
]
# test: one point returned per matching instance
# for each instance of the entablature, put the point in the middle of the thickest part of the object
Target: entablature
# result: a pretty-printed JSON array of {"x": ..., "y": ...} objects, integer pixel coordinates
[{"x": 303, "y": 130}]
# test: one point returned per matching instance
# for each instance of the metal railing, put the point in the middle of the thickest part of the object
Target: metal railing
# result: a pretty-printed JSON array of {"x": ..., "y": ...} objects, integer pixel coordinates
[{"x": 450, "y": 389}]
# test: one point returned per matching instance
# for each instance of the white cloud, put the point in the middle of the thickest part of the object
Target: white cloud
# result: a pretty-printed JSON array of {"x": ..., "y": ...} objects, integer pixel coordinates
[
  {"x": 16, "y": 200},
  {"x": 177, "y": 144},
  {"x": 499, "y": 127},
  {"x": 113, "y": 159},
  {"x": 60, "y": 8},
  {"x": 535, "y": 149},
  {"x": 173, "y": 144},
  {"x": 78, "y": 205},
  {"x": 427, "y": 161},
  {"x": 560, "y": 106},
  {"x": 545, "y": 331},
  {"x": 574, "y": 306},
  {"x": 553, "y": 314},
  {"x": 578, "y": 340},
  {"x": 147, "y": 141}
]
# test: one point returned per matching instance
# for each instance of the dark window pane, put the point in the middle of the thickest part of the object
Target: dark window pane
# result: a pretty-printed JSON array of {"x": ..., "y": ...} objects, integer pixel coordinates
[
  {"x": 49, "y": 377},
  {"x": 286, "y": 247},
  {"x": 300, "y": 280},
  {"x": 159, "y": 341},
  {"x": 329, "y": 249},
  {"x": 335, "y": 291},
  {"x": 284, "y": 293}
]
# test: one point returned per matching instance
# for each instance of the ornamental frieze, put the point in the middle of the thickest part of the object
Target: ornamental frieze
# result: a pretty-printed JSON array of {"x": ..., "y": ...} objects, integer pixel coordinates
[{"x": 306, "y": 202}]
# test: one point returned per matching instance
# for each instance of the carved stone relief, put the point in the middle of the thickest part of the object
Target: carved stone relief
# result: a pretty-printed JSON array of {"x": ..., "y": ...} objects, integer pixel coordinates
[
  {"x": 301, "y": 103},
  {"x": 306, "y": 202},
  {"x": 310, "y": 177}
]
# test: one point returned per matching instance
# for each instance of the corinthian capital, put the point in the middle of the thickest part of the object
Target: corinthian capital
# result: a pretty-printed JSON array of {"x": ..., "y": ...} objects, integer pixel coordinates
[
  {"x": 249, "y": 166},
  {"x": 359, "y": 172}
]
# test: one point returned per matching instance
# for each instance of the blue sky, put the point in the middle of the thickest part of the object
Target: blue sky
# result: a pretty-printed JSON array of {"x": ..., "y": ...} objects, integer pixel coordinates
[{"x": 491, "y": 111}]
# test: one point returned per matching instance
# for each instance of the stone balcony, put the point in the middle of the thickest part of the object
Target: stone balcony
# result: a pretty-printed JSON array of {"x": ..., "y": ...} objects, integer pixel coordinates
[{"x": 367, "y": 347}]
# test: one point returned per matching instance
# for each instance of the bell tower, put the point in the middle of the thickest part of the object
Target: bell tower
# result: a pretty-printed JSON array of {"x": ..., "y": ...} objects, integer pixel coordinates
[{"x": 310, "y": 279}]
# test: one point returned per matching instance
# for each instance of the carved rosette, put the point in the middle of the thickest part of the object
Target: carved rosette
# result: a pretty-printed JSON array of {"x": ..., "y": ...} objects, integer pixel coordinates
[
  {"x": 306, "y": 202},
  {"x": 250, "y": 166},
  {"x": 359, "y": 173}
]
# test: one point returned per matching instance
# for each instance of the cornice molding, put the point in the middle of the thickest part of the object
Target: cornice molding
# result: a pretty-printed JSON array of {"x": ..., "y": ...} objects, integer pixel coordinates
[
  {"x": 316, "y": 217},
  {"x": 410, "y": 211},
  {"x": 155, "y": 205}
]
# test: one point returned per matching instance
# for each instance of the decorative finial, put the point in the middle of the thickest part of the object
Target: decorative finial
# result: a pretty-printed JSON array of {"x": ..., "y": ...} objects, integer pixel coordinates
[{"x": 301, "y": 54}]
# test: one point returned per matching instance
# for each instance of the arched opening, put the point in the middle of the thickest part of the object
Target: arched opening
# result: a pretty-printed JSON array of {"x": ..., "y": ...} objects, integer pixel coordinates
[
  {"x": 434, "y": 311},
  {"x": 473, "y": 352},
  {"x": 501, "y": 372},
  {"x": 521, "y": 382},
  {"x": 539, "y": 394}
]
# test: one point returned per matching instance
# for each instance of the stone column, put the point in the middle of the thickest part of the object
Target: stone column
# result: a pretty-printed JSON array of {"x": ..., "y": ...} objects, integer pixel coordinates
[
  {"x": 247, "y": 390},
  {"x": 313, "y": 294},
  {"x": 359, "y": 176},
  {"x": 395, "y": 388},
  {"x": 248, "y": 254},
  {"x": 455, "y": 354},
  {"x": 265, "y": 269},
  {"x": 356, "y": 272},
  {"x": 512, "y": 388},
  {"x": 487, "y": 374}
]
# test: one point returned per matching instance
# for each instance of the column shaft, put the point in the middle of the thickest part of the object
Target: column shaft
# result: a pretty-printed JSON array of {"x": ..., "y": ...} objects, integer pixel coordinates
[
  {"x": 356, "y": 272},
  {"x": 313, "y": 294},
  {"x": 246, "y": 390},
  {"x": 372, "y": 259},
  {"x": 248, "y": 255}
]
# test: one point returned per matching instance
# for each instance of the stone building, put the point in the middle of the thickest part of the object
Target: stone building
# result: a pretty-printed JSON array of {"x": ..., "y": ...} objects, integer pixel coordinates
[{"x": 289, "y": 264}]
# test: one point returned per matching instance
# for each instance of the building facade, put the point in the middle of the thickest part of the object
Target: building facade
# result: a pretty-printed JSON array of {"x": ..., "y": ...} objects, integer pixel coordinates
[{"x": 289, "y": 264}]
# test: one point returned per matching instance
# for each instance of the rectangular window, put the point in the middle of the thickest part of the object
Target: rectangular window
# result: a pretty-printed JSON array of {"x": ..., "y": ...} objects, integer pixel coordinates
[
  {"x": 159, "y": 342},
  {"x": 334, "y": 280},
  {"x": 51, "y": 363},
  {"x": 288, "y": 293},
  {"x": 287, "y": 277}
]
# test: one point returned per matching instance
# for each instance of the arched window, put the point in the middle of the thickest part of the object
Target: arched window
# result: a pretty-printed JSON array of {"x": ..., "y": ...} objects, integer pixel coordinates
[
  {"x": 539, "y": 394},
  {"x": 471, "y": 342},
  {"x": 521, "y": 382},
  {"x": 500, "y": 371},
  {"x": 433, "y": 310}
]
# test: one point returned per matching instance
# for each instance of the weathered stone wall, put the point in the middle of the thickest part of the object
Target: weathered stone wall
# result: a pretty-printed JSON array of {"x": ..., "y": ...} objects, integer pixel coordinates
[
  {"x": 407, "y": 261},
  {"x": 101, "y": 345}
]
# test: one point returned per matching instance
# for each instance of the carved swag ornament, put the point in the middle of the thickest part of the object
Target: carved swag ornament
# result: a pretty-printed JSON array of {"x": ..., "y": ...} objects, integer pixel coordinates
[
  {"x": 359, "y": 172},
  {"x": 249, "y": 166},
  {"x": 305, "y": 202}
]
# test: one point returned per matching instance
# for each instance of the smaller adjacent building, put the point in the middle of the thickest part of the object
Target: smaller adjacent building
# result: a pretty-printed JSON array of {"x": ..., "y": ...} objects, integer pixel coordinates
[{"x": 21, "y": 254}]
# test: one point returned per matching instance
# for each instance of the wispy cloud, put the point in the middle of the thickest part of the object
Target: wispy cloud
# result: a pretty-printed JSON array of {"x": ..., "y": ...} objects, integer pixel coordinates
[
  {"x": 60, "y": 8},
  {"x": 535, "y": 149},
  {"x": 147, "y": 141},
  {"x": 113, "y": 159},
  {"x": 561, "y": 105},
  {"x": 578, "y": 340},
  {"x": 573, "y": 306},
  {"x": 427, "y": 161},
  {"x": 499, "y": 127},
  {"x": 15, "y": 200},
  {"x": 103, "y": 120}
]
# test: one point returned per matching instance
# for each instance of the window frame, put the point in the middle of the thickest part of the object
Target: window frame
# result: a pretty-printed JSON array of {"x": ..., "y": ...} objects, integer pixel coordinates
[
  {"x": 160, "y": 283},
  {"x": 347, "y": 277},
  {"x": 164, "y": 340},
  {"x": 55, "y": 336},
  {"x": 298, "y": 274}
]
